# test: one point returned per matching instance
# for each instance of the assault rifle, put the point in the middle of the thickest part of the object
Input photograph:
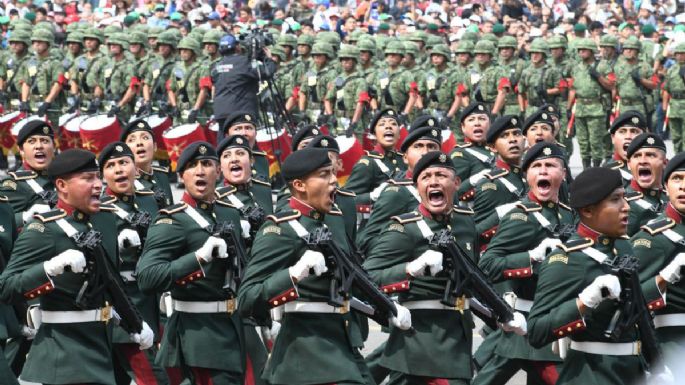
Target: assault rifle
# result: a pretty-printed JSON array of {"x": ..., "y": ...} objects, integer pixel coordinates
[
  {"x": 237, "y": 256},
  {"x": 140, "y": 222}
]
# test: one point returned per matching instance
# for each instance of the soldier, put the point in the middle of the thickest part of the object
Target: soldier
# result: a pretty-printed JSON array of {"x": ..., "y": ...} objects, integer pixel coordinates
[
  {"x": 559, "y": 60},
  {"x": 19, "y": 43},
  {"x": 634, "y": 81},
  {"x": 464, "y": 54},
  {"x": 9, "y": 325},
  {"x": 586, "y": 97},
  {"x": 539, "y": 83},
  {"x": 574, "y": 292},
  {"x": 203, "y": 335},
  {"x": 507, "y": 47},
  {"x": 118, "y": 171},
  {"x": 139, "y": 137},
  {"x": 137, "y": 46},
  {"x": 278, "y": 274},
  {"x": 402, "y": 263},
  {"x": 85, "y": 73},
  {"x": 289, "y": 44},
  {"x": 367, "y": 50},
  {"x": 281, "y": 78},
  {"x": 210, "y": 46},
  {"x": 242, "y": 123},
  {"x": 524, "y": 236},
  {"x": 645, "y": 194},
  {"x": 393, "y": 87},
  {"x": 159, "y": 71},
  {"x": 118, "y": 84},
  {"x": 190, "y": 85},
  {"x": 46, "y": 266},
  {"x": 349, "y": 94},
  {"x": 673, "y": 98},
  {"x": 488, "y": 82},
  {"x": 623, "y": 130},
  {"x": 74, "y": 43},
  {"x": 314, "y": 85},
  {"x": 301, "y": 67},
  {"x": 442, "y": 88}
]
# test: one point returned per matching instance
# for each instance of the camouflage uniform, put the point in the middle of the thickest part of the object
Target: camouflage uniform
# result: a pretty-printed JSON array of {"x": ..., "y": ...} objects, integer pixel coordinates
[
  {"x": 116, "y": 78},
  {"x": 674, "y": 86},
  {"x": 86, "y": 70},
  {"x": 631, "y": 93},
  {"x": 514, "y": 68},
  {"x": 315, "y": 82},
  {"x": 484, "y": 81},
  {"x": 535, "y": 81},
  {"x": 345, "y": 92},
  {"x": 392, "y": 86},
  {"x": 187, "y": 80}
]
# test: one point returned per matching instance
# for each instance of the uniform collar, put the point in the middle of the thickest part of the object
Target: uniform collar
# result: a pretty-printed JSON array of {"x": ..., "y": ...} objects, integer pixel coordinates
[
  {"x": 146, "y": 175},
  {"x": 506, "y": 166},
  {"x": 240, "y": 187},
  {"x": 25, "y": 166},
  {"x": 442, "y": 218},
  {"x": 653, "y": 192},
  {"x": 549, "y": 204},
  {"x": 127, "y": 198},
  {"x": 72, "y": 211},
  {"x": 192, "y": 202},
  {"x": 305, "y": 209},
  {"x": 618, "y": 158},
  {"x": 379, "y": 149},
  {"x": 674, "y": 214},
  {"x": 475, "y": 144},
  {"x": 597, "y": 237}
]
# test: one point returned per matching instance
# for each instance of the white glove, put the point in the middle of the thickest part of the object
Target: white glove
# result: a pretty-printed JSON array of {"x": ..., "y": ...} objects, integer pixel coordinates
[
  {"x": 145, "y": 338},
  {"x": 72, "y": 258},
  {"x": 377, "y": 191},
  {"x": 403, "y": 319},
  {"x": 517, "y": 325},
  {"x": 245, "y": 227},
  {"x": 128, "y": 238},
  {"x": 309, "y": 260},
  {"x": 591, "y": 296},
  {"x": 35, "y": 209},
  {"x": 213, "y": 247},
  {"x": 539, "y": 253},
  {"x": 272, "y": 332},
  {"x": 665, "y": 378},
  {"x": 429, "y": 259},
  {"x": 671, "y": 273}
]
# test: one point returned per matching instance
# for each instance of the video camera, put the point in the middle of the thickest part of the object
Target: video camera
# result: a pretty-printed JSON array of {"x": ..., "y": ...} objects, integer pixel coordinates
[{"x": 254, "y": 42}]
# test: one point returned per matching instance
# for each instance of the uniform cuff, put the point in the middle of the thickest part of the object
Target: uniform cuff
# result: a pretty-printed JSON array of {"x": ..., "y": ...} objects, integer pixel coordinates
[
  {"x": 569, "y": 319},
  {"x": 186, "y": 267},
  {"x": 280, "y": 288},
  {"x": 518, "y": 266},
  {"x": 36, "y": 282}
]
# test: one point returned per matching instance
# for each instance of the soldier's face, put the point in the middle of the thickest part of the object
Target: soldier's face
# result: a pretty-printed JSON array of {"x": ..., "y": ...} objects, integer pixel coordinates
[
  {"x": 610, "y": 216},
  {"x": 418, "y": 149},
  {"x": 317, "y": 189},
  {"x": 483, "y": 58},
  {"x": 236, "y": 165},
  {"x": 348, "y": 64},
  {"x": 647, "y": 166},
  {"x": 143, "y": 146},
  {"x": 288, "y": 50},
  {"x": 437, "y": 60},
  {"x": 199, "y": 177},
  {"x": 152, "y": 41},
  {"x": 92, "y": 45},
  {"x": 537, "y": 57},
  {"x": 544, "y": 177},
  {"x": 608, "y": 52},
  {"x": 475, "y": 127},
  {"x": 115, "y": 49},
  {"x": 74, "y": 48},
  {"x": 303, "y": 49},
  {"x": 320, "y": 60},
  {"x": 509, "y": 145},
  {"x": 40, "y": 47},
  {"x": 119, "y": 173},
  {"x": 81, "y": 191},
  {"x": 629, "y": 53},
  {"x": 387, "y": 132},
  {"x": 393, "y": 59},
  {"x": 38, "y": 152},
  {"x": 436, "y": 186},
  {"x": 365, "y": 56},
  {"x": 464, "y": 58},
  {"x": 585, "y": 54},
  {"x": 211, "y": 48},
  {"x": 621, "y": 139},
  {"x": 164, "y": 50},
  {"x": 675, "y": 187},
  {"x": 540, "y": 132},
  {"x": 245, "y": 129},
  {"x": 186, "y": 54},
  {"x": 680, "y": 57},
  {"x": 17, "y": 47},
  {"x": 557, "y": 52},
  {"x": 506, "y": 53}
]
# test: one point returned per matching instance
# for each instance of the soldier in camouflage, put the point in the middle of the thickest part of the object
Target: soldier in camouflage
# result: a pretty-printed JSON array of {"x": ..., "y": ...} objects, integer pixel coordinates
[
  {"x": 393, "y": 87},
  {"x": 488, "y": 82},
  {"x": 190, "y": 84},
  {"x": 539, "y": 82},
  {"x": 673, "y": 98},
  {"x": 85, "y": 73},
  {"x": 507, "y": 48},
  {"x": 634, "y": 80},
  {"x": 563, "y": 63},
  {"x": 158, "y": 73},
  {"x": 349, "y": 94},
  {"x": 367, "y": 50},
  {"x": 314, "y": 85},
  {"x": 441, "y": 88},
  {"x": 117, "y": 86}
]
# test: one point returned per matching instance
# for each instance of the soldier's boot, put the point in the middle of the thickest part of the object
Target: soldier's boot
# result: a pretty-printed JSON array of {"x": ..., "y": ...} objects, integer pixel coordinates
[
  {"x": 586, "y": 163},
  {"x": 596, "y": 162}
]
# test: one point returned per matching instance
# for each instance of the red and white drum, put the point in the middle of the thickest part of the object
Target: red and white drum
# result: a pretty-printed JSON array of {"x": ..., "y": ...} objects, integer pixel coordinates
[
  {"x": 69, "y": 129},
  {"x": 177, "y": 138},
  {"x": 159, "y": 124},
  {"x": 212, "y": 132},
  {"x": 274, "y": 143},
  {"x": 369, "y": 141},
  {"x": 350, "y": 153},
  {"x": 6, "y": 123},
  {"x": 448, "y": 141},
  {"x": 403, "y": 134},
  {"x": 98, "y": 131},
  {"x": 22, "y": 122}
]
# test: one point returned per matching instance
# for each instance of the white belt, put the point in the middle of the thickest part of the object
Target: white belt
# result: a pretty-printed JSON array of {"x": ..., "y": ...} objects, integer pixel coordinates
[
  {"x": 227, "y": 306},
  {"x": 314, "y": 307},
  {"x": 608, "y": 348},
  {"x": 76, "y": 316},
  {"x": 128, "y": 276},
  {"x": 523, "y": 304},
  {"x": 435, "y": 304},
  {"x": 666, "y": 320}
]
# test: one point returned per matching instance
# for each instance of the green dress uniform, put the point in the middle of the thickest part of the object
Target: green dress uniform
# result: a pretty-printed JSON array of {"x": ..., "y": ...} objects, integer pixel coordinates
[
  {"x": 62, "y": 352},
  {"x": 645, "y": 205},
  {"x": 40, "y": 74},
  {"x": 616, "y": 163},
  {"x": 23, "y": 189},
  {"x": 314, "y": 346},
  {"x": 374, "y": 168},
  {"x": 472, "y": 161},
  {"x": 439, "y": 328},
  {"x": 674, "y": 85},
  {"x": 203, "y": 334},
  {"x": 507, "y": 261},
  {"x": 260, "y": 167},
  {"x": 9, "y": 325},
  {"x": 565, "y": 273},
  {"x": 157, "y": 182}
]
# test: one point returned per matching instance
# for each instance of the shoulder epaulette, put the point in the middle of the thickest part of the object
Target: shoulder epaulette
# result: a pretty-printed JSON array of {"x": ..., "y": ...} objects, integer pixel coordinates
[
  {"x": 145, "y": 191},
  {"x": 406, "y": 182},
  {"x": 335, "y": 210},
  {"x": 576, "y": 244},
  {"x": 560, "y": 145},
  {"x": 565, "y": 206},
  {"x": 529, "y": 207},
  {"x": 633, "y": 196},
  {"x": 373, "y": 154},
  {"x": 107, "y": 207},
  {"x": 261, "y": 182},
  {"x": 23, "y": 174},
  {"x": 108, "y": 199},
  {"x": 494, "y": 174},
  {"x": 614, "y": 164},
  {"x": 346, "y": 193},
  {"x": 284, "y": 216},
  {"x": 224, "y": 191},
  {"x": 175, "y": 208},
  {"x": 659, "y": 226},
  {"x": 463, "y": 210},
  {"x": 51, "y": 215},
  {"x": 258, "y": 153},
  {"x": 3, "y": 198},
  {"x": 464, "y": 145},
  {"x": 160, "y": 169},
  {"x": 224, "y": 203},
  {"x": 407, "y": 218}
]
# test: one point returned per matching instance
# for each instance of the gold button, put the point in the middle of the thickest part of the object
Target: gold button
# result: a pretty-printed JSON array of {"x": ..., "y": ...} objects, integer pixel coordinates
[
  {"x": 283, "y": 299},
  {"x": 125, "y": 199},
  {"x": 561, "y": 332},
  {"x": 550, "y": 205},
  {"x": 652, "y": 193},
  {"x": 605, "y": 241},
  {"x": 203, "y": 206},
  {"x": 292, "y": 293},
  {"x": 38, "y": 291},
  {"x": 275, "y": 303}
]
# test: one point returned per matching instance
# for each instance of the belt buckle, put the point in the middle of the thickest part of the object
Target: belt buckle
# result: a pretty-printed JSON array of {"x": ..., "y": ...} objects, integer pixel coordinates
[
  {"x": 344, "y": 309},
  {"x": 637, "y": 348},
  {"x": 460, "y": 303},
  {"x": 230, "y": 306},
  {"x": 106, "y": 314}
]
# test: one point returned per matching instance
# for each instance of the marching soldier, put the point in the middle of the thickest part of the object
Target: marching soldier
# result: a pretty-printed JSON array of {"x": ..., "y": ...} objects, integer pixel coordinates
[
  {"x": 118, "y": 85},
  {"x": 9, "y": 325},
  {"x": 559, "y": 60},
  {"x": 183, "y": 255},
  {"x": 300, "y": 68},
  {"x": 441, "y": 87},
  {"x": 210, "y": 46},
  {"x": 159, "y": 71},
  {"x": 46, "y": 266},
  {"x": 625, "y": 128},
  {"x": 85, "y": 73},
  {"x": 190, "y": 85},
  {"x": 242, "y": 123},
  {"x": 673, "y": 98},
  {"x": 634, "y": 81},
  {"x": 367, "y": 51},
  {"x": 349, "y": 94},
  {"x": 314, "y": 85},
  {"x": 74, "y": 43},
  {"x": 507, "y": 47},
  {"x": 393, "y": 86},
  {"x": 289, "y": 44},
  {"x": 488, "y": 82},
  {"x": 464, "y": 54},
  {"x": 137, "y": 46},
  {"x": 539, "y": 83}
]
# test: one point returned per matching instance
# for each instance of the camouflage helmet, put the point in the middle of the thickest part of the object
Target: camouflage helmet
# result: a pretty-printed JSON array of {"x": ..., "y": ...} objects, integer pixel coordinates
[
  {"x": 20, "y": 36},
  {"x": 442, "y": 49},
  {"x": 332, "y": 38},
  {"x": 212, "y": 37},
  {"x": 154, "y": 32},
  {"x": 278, "y": 51},
  {"x": 71, "y": 28},
  {"x": 42, "y": 34},
  {"x": 305, "y": 39},
  {"x": 411, "y": 48},
  {"x": 190, "y": 44},
  {"x": 176, "y": 33},
  {"x": 586, "y": 43},
  {"x": 490, "y": 37},
  {"x": 355, "y": 36},
  {"x": 433, "y": 40},
  {"x": 111, "y": 30},
  {"x": 94, "y": 33},
  {"x": 632, "y": 43},
  {"x": 137, "y": 37},
  {"x": 118, "y": 38},
  {"x": 507, "y": 42},
  {"x": 20, "y": 23},
  {"x": 322, "y": 48},
  {"x": 166, "y": 38},
  {"x": 367, "y": 44},
  {"x": 394, "y": 47},
  {"x": 348, "y": 51},
  {"x": 608, "y": 41},
  {"x": 46, "y": 25},
  {"x": 419, "y": 36},
  {"x": 470, "y": 36},
  {"x": 465, "y": 46},
  {"x": 75, "y": 37},
  {"x": 680, "y": 48},
  {"x": 484, "y": 46},
  {"x": 538, "y": 45},
  {"x": 288, "y": 40},
  {"x": 556, "y": 42}
]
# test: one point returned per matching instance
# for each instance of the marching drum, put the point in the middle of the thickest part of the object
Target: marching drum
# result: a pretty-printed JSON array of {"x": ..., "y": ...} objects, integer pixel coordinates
[
  {"x": 70, "y": 136},
  {"x": 212, "y": 132},
  {"x": 22, "y": 122},
  {"x": 403, "y": 134},
  {"x": 177, "y": 138},
  {"x": 97, "y": 131},
  {"x": 7, "y": 121},
  {"x": 273, "y": 143},
  {"x": 350, "y": 152},
  {"x": 448, "y": 141}
]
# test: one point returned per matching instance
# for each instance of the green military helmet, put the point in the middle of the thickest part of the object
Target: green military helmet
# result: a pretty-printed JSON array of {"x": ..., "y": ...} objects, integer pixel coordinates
[
  {"x": 433, "y": 40},
  {"x": 288, "y": 40},
  {"x": 137, "y": 37},
  {"x": 367, "y": 44},
  {"x": 331, "y": 38},
  {"x": 167, "y": 38},
  {"x": 46, "y": 25},
  {"x": 538, "y": 45},
  {"x": 608, "y": 41},
  {"x": 442, "y": 49},
  {"x": 490, "y": 37},
  {"x": 278, "y": 50},
  {"x": 23, "y": 27},
  {"x": 20, "y": 36},
  {"x": 395, "y": 46},
  {"x": 94, "y": 33},
  {"x": 507, "y": 42},
  {"x": 176, "y": 33},
  {"x": 191, "y": 44},
  {"x": 419, "y": 36},
  {"x": 142, "y": 28},
  {"x": 632, "y": 43},
  {"x": 197, "y": 34},
  {"x": 71, "y": 28},
  {"x": 111, "y": 30},
  {"x": 119, "y": 38},
  {"x": 355, "y": 36},
  {"x": 556, "y": 42},
  {"x": 305, "y": 39},
  {"x": 470, "y": 36},
  {"x": 154, "y": 32},
  {"x": 322, "y": 48},
  {"x": 465, "y": 46},
  {"x": 586, "y": 43},
  {"x": 348, "y": 51},
  {"x": 75, "y": 37},
  {"x": 484, "y": 46},
  {"x": 680, "y": 48},
  {"x": 411, "y": 48},
  {"x": 212, "y": 37},
  {"x": 42, "y": 34},
  {"x": 83, "y": 27},
  {"x": 20, "y": 23}
]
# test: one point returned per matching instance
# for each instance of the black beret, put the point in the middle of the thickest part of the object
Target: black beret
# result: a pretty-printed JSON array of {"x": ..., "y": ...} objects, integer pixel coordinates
[
  {"x": 34, "y": 127},
  {"x": 645, "y": 140},
  {"x": 325, "y": 141},
  {"x": 542, "y": 150},
  {"x": 112, "y": 151},
  {"x": 426, "y": 132},
  {"x": 500, "y": 125},
  {"x": 423, "y": 121},
  {"x": 474, "y": 108},
  {"x": 386, "y": 113},
  {"x": 302, "y": 163},
  {"x": 593, "y": 185},
  {"x": 539, "y": 116},
  {"x": 238, "y": 117},
  {"x": 303, "y": 133},
  {"x": 136, "y": 125},
  {"x": 71, "y": 161},
  {"x": 196, "y": 150},
  {"x": 677, "y": 163},
  {"x": 630, "y": 118},
  {"x": 551, "y": 109},
  {"x": 431, "y": 159},
  {"x": 233, "y": 141}
]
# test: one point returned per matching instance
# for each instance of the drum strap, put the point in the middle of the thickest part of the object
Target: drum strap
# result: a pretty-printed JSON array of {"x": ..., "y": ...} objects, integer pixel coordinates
[{"x": 34, "y": 186}]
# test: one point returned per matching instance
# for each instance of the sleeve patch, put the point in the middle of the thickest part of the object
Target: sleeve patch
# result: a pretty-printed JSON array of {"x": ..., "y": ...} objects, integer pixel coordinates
[
  {"x": 396, "y": 227},
  {"x": 519, "y": 217},
  {"x": 165, "y": 221},
  {"x": 10, "y": 184},
  {"x": 272, "y": 230},
  {"x": 558, "y": 258},
  {"x": 457, "y": 154},
  {"x": 646, "y": 243},
  {"x": 488, "y": 186},
  {"x": 36, "y": 226},
  {"x": 364, "y": 161}
]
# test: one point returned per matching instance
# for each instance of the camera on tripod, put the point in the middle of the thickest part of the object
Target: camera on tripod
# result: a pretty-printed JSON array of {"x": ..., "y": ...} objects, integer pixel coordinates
[{"x": 254, "y": 42}]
